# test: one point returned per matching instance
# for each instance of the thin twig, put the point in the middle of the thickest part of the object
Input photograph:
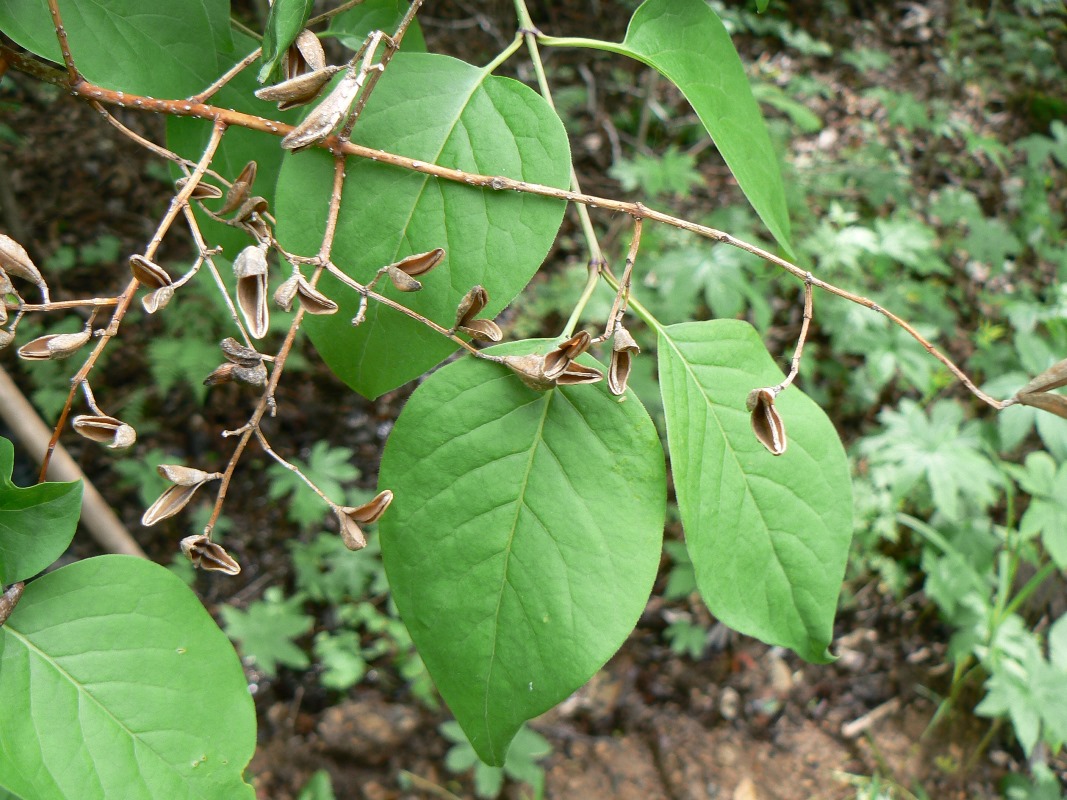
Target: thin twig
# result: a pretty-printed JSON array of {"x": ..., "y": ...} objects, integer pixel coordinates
[
  {"x": 500, "y": 183},
  {"x": 622, "y": 296},
  {"x": 227, "y": 76},
  {"x": 126, "y": 298},
  {"x": 794, "y": 365},
  {"x": 73, "y": 76}
]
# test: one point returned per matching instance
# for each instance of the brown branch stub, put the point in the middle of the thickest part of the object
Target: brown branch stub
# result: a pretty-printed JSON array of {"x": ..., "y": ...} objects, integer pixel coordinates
[{"x": 9, "y": 599}]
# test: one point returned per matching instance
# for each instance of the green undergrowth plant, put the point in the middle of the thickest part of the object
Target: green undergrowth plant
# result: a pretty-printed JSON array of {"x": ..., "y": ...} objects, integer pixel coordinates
[{"x": 391, "y": 205}]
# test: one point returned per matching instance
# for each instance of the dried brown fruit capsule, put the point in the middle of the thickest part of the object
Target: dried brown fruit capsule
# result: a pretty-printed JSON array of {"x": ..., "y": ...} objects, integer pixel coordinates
[{"x": 767, "y": 423}]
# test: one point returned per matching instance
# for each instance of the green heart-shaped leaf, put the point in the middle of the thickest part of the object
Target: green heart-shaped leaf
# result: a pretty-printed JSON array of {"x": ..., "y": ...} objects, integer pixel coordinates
[
  {"x": 523, "y": 540},
  {"x": 438, "y": 110}
]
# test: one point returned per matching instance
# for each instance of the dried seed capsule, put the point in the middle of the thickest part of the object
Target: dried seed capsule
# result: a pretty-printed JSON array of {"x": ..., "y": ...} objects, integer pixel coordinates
[
  {"x": 154, "y": 301},
  {"x": 54, "y": 345},
  {"x": 250, "y": 267},
  {"x": 6, "y": 338},
  {"x": 530, "y": 369},
  {"x": 299, "y": 90},
  {"x": 421, "y": 262},
  {"x": 113, "y": 432},
  {"x": 208, "y": 555},
  {"x": 239, "y": 354},
  {"x": 372, "y": 510},
  {"x": 285, "y": 294},
  {"x": 9, "y": 599},
  {"x": 186, "y": 481},
  {"x": 576, "y": 374},
  {"x": 327, "y": 114},
  {"x": 484, "y": 330},
  {"x": 1052, "y": 378},
  {"x": 767, "y": 423},
  {"x": 240, "y": 190},
  {"x": 1046, "y": 401},
  {"x": 149, "y": 273},
  {"x": 312, "y": 300},
  {"x": 253, "y": 376},
  {"x": 471, "y": 305},
  {"x": 5, "y": 285},
  {"x": 304, "y": 54},
  {"x": 623, "y": 349},
  {"x": 202, "y": 191},
  {"x": 401, "y": 280},
  {"x": 556, "y": 360},
  {"x": 351, "y": 534},
  {"x": 16, "y": 261},
  {"x": 223, "y": 373}
]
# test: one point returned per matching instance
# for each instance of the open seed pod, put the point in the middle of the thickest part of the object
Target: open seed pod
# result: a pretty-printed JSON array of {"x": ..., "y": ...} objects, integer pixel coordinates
[
  {"x": 186, "y": 481},
  {"x": 1052, "y": 378},
  {"x": 576, "y": 374},
  {"x": 471, "y": 305},
  {"x": 299, "y": 90},
  {"x": 154, "y": 301},
  {"x": 202, "y": 191},
  {"x": 3, "y": 311},
  {"x": 421, "y": 262},
  {"x": 16, "y": 261},
  {"x": 326, "y": 115},
  {"x": 240, "y": 190},
  {"x": 250, "y": 267},
  {"x": 150, "y": 274},
  {"x": 484, "y": 330},
  {"x": 239, "y": 354},
  {"x": 349, "y": 519},
  {"x": 5, "y": 285},
  {"x": 530, "y": 369},
  {"x": 115, "y": 433},
  {"x": 401, "y": 280},
  {"x": 285, "y": 294},
  {"x": 1046, "y": 401},
  {"x": 54, "y": 345},
  {"x": 6, "y": 338},
  {"x": 556, "y": 360},
  {"x": 305, "y": 54},
  {"x": 223, "y": 373},
  {"x": 767, "y": 423},
  {"x": 312, "y": 300},
  {"x": 623, "y": 349},
  {"x": 209, "y": 556}
]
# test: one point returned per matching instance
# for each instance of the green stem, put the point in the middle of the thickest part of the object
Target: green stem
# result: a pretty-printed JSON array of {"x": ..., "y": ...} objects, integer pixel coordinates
[
  {"x": 1031, "y": 586},
  {"x": 596, "y": 256},
  {"x": 505, "y": 54},
  {"x": 635, "y": 306}
]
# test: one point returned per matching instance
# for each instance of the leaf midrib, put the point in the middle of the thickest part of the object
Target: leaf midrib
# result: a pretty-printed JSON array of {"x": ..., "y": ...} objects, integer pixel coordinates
[{"x": 538, "y": 440}]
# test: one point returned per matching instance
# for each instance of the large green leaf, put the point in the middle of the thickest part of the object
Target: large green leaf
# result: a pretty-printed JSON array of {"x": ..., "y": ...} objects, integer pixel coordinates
[
  {"x": 435, "y": 109},
  {"x": 36, "y": 523},
  {"x": 768, "y": 535},
  {"x": 687, "y": 43},
  {"x": 524, "y": 538},
  {"x": 160, "y": 49},
  {"x": 115, "y": 682},
  {"x": 351, "y": 27}
]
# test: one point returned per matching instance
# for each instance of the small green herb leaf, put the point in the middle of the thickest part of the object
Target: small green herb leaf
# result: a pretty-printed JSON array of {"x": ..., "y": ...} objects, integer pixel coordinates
[{"x": 266, "y": 631}]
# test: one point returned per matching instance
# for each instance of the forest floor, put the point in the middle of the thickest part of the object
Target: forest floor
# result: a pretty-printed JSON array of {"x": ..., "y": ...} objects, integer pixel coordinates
[{"x": 742, "y": 722}]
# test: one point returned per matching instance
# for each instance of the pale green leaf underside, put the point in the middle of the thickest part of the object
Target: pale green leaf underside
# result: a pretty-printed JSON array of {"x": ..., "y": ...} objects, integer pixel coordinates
[
  {"x": 115, "y": 682},
  {"x": 524, "y": 538},
  {"x": 438, "y": 110},
  {"x": 165, "y": 49},
  {"x": 768, "y": 535},
  {"x": 36, "y": 523},
  {"x": 687, "y": 43}
]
